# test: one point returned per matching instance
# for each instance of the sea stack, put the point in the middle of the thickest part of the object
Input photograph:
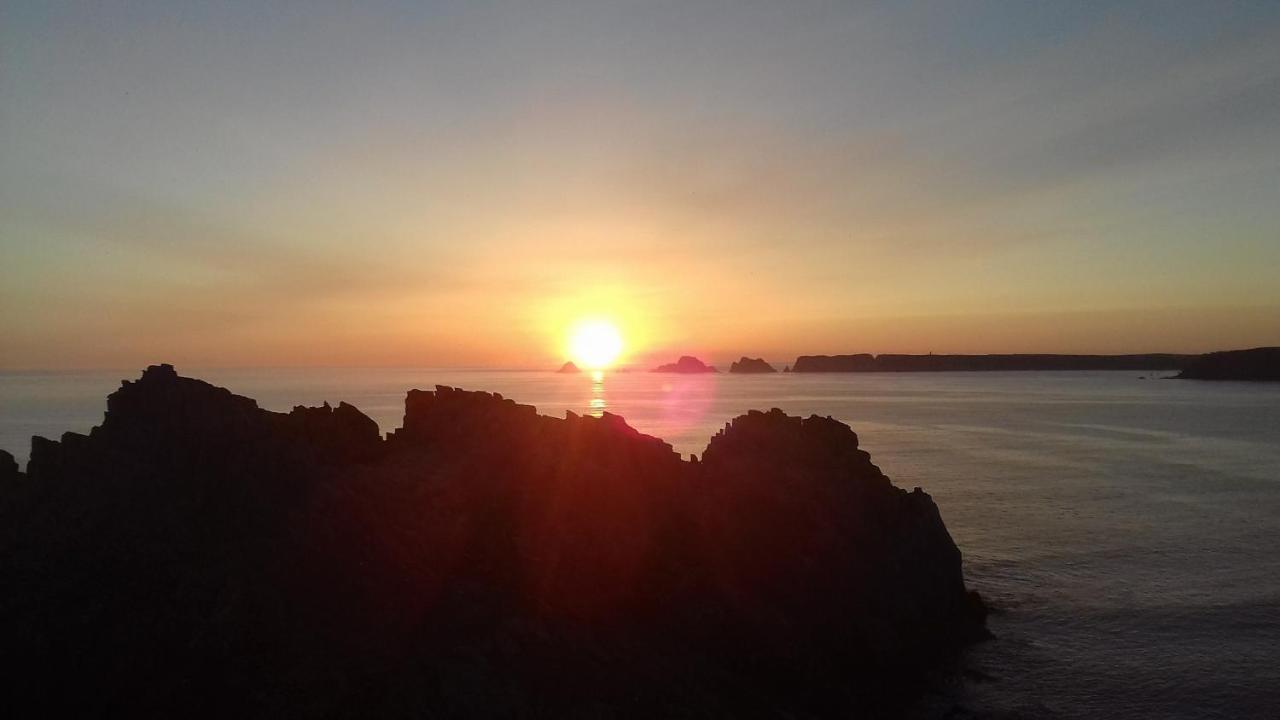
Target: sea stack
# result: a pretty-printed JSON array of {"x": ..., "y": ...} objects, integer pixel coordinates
[
  {"x": 569, "y": 368},
  {"x": 751, "y": 365},
  {"x": 686, "y": 364}
]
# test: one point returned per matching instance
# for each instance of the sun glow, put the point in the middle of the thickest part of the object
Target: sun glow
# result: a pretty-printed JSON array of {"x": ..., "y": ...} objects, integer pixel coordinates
[{"x": 594, "y": 344}]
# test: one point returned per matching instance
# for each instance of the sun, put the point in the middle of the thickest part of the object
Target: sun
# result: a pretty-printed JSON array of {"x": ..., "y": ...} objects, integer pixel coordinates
[{"x": 594, "y": 344}]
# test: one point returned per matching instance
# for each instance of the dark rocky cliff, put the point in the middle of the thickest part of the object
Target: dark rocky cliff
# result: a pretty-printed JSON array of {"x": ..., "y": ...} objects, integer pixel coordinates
[
  {"x": 1256, "y": 364},
  {"x": 197, "y": 555},
  {"x": 751, "y": 365},
  {"x": 970, "y": 363}
]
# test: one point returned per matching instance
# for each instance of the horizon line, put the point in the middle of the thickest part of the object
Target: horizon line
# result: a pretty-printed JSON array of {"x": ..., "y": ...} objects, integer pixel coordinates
[{"x": 554, "y": 365}]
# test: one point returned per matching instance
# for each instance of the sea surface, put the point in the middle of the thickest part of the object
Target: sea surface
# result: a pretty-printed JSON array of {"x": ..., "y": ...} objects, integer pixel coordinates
[{"x": 1125, "y": 528}]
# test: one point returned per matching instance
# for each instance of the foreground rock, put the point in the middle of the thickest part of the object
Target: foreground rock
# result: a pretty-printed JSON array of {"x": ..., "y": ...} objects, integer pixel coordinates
[
  {"x": 1256, "y": 364},
  {"x": 686, "y": 364},
  {"x": 197, "y": 555},
  {"x": 751, "y": 365}
]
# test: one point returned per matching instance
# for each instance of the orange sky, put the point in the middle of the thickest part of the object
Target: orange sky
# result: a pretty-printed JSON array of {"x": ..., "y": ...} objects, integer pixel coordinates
[{"x": 446, "y": 186}]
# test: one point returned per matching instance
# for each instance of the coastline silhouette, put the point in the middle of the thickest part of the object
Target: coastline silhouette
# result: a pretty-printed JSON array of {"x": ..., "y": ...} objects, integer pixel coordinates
[
  {"x": 1257, "y": 364},
  {"x": 889, "y": 362},
  {"x": 196, "y": 554},
  {"x": 1254, "y": 364}
]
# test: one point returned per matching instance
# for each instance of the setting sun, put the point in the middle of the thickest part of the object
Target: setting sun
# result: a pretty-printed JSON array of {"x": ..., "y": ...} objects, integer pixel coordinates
[{"x": 594, "y": 344}]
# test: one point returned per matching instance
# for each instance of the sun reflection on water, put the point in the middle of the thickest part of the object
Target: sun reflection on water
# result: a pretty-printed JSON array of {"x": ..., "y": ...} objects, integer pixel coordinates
[{"x": 597, "y": 403}]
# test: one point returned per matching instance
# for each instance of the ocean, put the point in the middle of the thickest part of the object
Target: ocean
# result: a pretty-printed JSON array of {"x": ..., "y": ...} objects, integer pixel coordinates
[{"x": 1124, "y": 528}]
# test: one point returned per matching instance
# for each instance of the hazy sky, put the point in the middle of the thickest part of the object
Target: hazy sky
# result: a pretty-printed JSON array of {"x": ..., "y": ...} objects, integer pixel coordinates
[{"x": 454, "y": 183}]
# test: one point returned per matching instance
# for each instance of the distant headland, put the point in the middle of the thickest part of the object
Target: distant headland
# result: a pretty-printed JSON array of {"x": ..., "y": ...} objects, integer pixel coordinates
[
  {"x": 1256, "y": 364},
  {"x": 866, "y": 362}
]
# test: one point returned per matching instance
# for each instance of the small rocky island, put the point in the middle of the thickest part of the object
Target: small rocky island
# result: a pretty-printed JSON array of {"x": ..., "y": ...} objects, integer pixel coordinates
[
  {"x": 686, "y": 364},
  {"x": 751, "y": 365},
  {"x": 1261, "y": 364},
  {"x": 198, "y": 555},
  {"x": 569, "y": 368}
]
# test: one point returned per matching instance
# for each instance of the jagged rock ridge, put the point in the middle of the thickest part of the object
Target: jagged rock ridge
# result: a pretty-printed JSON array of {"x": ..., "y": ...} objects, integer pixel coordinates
[
  {"x": 686, "y": 364},
  {"x": 197, "y": 555},
  {"x": 751, "y": 365},
  {"x": 1256, "y": 364}
]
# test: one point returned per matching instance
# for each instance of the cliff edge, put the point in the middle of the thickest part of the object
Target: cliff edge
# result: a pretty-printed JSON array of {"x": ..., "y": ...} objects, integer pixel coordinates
[
  {"x": 198, "y": 555},
  {"x": 1256, "y": 364},
  {"x": 885, "y": 362}
]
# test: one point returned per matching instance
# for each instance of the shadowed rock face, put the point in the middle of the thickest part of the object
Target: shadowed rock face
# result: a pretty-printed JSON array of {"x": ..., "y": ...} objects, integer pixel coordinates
[
  {"x": 686, "y": 364},
  {"x": 751, "y": 365},
  {"x": 196, "y": 554},
  {"x": 8, "y": 466},
  {"x": 862, "y": 362},
  {"x": 1256, "y": 364}
]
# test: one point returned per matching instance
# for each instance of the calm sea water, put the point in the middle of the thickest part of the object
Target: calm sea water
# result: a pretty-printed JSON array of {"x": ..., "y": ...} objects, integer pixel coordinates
[{"x": 1127, "y": 531}]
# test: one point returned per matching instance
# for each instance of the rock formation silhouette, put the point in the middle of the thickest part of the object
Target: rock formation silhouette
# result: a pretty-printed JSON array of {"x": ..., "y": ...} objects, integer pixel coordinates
[
  {"x": 865, "y": 362},
  {"x": 8, "y": 467},
  {"x": 686, "y": 364},
  {"x": 1257, "y": 364},
  {"x": 197, "y": 555},
  {"x": 569, "y": 367},
  {"x": 751, "y": 365}
]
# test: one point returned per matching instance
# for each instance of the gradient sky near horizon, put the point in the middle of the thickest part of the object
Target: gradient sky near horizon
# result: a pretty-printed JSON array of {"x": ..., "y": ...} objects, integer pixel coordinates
[{"x": 454, "y": 183}]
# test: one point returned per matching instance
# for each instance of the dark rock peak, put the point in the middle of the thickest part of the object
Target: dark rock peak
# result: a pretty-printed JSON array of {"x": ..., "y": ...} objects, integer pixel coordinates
[
  {"x": 192, "y": 418},
  {"x": 159, "y": 371},
  {"x": 449, "y": 412},
  {"x": 686, "y": 364},
  {"x": 1256, "y": 364},
  {"x": 451, "y": 417},
  {"x": 791, "y": 444},
  {"x": 756, "y": 424},
  {"x": 569, "y": 367},
  {"x": 342, "y": 434},
  {"x": 8, "y": 466},
  {"x": 751, "y": 365}
]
